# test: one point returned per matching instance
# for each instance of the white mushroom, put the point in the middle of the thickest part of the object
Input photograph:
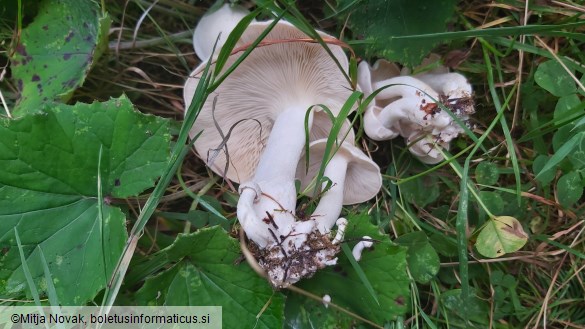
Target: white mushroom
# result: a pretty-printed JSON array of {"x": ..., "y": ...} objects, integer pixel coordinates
[
  {"x": 408, "y": 106},
  {"x": 211, "y": 25},
  {"x": 354, "y": 178},
  {"x": 326, "y": 300},
  {"x": 360, "y": 246},
  {"x": 367, "y": 76},
  {"x": 341, "y": 226},
  {"x": 262, "y": 107}
]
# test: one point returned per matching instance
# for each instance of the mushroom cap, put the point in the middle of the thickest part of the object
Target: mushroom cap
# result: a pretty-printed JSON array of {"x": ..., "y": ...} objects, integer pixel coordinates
[
  {"x": 369, "y": 75},
  {"x": 362, "y": 180},
  {"x": 273, "y": 78},
  {"x": 223, "y": 21}
]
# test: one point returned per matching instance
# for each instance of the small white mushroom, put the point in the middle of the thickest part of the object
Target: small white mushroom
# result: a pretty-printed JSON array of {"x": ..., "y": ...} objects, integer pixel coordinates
[
  {"x": 360, "y": 246},
  {"x": 354, "y": 177},
  {"x": 211, "y": 25},
  {"x": 326, "y": 300},
  {"x": 341, "y": 226}
]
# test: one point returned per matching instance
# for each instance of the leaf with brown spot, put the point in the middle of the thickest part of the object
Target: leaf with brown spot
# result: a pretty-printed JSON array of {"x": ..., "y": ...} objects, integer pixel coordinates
[
  {"x": 501, "y": 235},
  {"x": 55, "y": 51}
]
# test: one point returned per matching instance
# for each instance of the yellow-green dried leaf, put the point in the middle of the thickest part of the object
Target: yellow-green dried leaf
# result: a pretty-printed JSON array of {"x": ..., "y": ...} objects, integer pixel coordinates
[{"x": 501, "y": 235}]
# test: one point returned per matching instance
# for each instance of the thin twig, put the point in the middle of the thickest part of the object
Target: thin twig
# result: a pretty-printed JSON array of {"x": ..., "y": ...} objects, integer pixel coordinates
[{"x": 115, "y": 45}]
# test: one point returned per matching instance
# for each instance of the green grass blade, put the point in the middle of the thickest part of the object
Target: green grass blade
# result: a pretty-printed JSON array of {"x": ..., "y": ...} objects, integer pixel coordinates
[
  {"x": 559, "y": 245},
  {"x": 51, "y": 292},
  {"x": 29, "y": 280},
  {"x": 505, "y": 129},
  {"x": 295, "y": 17},
  {"x": 358, "y": 269},
  {"x": 562, "y": 153},
  {"x": 218, "y": 81},
  {"x": 332, "y": 139},
  {"x": 492, "y": 32},
  {"x": 232, "y": 39},
  {"x": 461, "y": 228},
  {"x": 178, "y": 153}
]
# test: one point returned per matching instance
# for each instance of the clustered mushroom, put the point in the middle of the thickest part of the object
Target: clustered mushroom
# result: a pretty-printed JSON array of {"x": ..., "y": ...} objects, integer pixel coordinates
[
  {"x": 263, "y": 104},
  {"x": 252, "y": 130},
  {"x": 413, "y": 107}
]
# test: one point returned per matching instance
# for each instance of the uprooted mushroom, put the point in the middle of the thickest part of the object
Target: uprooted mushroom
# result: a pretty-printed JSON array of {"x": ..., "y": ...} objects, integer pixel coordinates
[
  {"x": 412, "y": 107},
  {"x": 263, "y": 105}
]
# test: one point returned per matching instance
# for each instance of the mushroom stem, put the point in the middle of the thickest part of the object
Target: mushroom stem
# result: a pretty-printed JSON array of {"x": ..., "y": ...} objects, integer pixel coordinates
[
  {"x": 284, "y": 145},
  {"x": 329, "y": 207},
  {"x": 341, "y": 226},
  {"x": 270, "y": 215},
  {"x": 360, "y": 246},
  {"x": 453, "y": 85},
  {"x": 408, "y": 110}
]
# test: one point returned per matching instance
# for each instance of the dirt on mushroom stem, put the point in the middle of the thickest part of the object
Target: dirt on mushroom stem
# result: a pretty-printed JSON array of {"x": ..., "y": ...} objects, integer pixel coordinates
[{"x": 284, "y": 268}]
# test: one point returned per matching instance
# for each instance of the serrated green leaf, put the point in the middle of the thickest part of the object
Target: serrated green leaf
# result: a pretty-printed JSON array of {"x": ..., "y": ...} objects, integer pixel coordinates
[
  {"x": 377, "y": 22},
  {"x": 569, "y": 189},
  {"x": 57, "y": 151},
  {"x": 55, "y": 52},
  {"x": 501, "y": 235},
  {"x": 384, "y": 267},
  {"x": 303, "y": 313},
  {"x": 552, "y": 77},
  {"x": 486, "y": 173},
  {"x": 80, "y": 250},
  {"x": 423, "y": 261},
  {"x": 48, "y": 190},
  {"x": 205, "y": 274}
]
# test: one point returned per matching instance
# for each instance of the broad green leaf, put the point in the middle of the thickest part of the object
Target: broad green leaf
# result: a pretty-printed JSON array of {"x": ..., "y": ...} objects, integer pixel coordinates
[
  {"x": 569, "y": 189},
  {"x": 486, "y": 173},
  {"x": 376, "y": 23},
  {"x": 56, "y": 51},
  {"x": 423, "y": 261},
  {"x": 80, "y": 248},
  {"x": 48, "y": 190},
  {"x": 501, "y": 235},
  {"x": 444, "y": 245},
  {"x": 545, "y": 177},
  {"x": 564, "y": 106},
  {"x": 476, "y": 308},
  {"x": 577, "y": 158},
  {"x": 57, "y": 151},
  {"x": 562, "y": 153},
  {"x": 420, "y": 191},
  {"x": 304, "y": 313},
  {"x": 205, "y": 274},
  {"x": 385, "y": 268},
  {"x": 561, "y": 136},
  {"x": 493, "y": 201},
  {"x": 551, "y": 76}
]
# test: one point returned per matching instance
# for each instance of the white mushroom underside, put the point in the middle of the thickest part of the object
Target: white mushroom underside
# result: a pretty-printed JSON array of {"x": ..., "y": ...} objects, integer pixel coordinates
[{"x": 270, "y": 78}]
